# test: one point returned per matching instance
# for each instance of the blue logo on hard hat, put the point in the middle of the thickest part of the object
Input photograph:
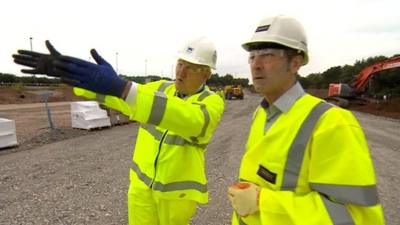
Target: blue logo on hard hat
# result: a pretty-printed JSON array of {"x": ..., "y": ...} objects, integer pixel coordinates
[
  {"x": 262, "y": 28},
  {"x": 189, "y": 50}
]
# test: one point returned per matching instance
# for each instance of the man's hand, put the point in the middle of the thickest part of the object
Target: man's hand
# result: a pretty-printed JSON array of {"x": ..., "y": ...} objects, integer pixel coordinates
[
  {"x": 244, "y": 197},
  {"x": 39, "y": 62},
  {"x": 100, "y": 78}
]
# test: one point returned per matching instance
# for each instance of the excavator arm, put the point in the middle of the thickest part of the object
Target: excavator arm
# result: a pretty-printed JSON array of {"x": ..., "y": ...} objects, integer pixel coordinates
[
  {"x": 361, "y": 81},
  {"x": 342, "y": 94}
]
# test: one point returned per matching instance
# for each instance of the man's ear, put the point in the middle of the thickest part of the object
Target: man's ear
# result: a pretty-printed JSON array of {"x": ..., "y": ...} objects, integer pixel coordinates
[
  {"x": 296, "y": 63},
  {"x": 206, "y": 74}
]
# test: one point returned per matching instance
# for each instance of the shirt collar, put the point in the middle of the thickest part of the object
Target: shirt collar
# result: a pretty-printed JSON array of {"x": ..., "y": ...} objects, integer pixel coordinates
[{"x": 286, "y": 101}]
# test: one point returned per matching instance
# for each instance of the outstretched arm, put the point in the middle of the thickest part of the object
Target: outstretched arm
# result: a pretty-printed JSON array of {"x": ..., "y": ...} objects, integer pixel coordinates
[{"x": 100, "y": 78}]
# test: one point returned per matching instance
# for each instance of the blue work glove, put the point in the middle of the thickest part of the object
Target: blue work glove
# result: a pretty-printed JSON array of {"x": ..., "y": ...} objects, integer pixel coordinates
[
  {"x": 100, "y": 78},
  {"x": 40, "y": 63}
]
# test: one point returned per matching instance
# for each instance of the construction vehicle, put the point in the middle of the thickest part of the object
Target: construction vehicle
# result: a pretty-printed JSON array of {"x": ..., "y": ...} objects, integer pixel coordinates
[
  {"x": 233, "y": 91},
  {"x": 344, "y": 94}
]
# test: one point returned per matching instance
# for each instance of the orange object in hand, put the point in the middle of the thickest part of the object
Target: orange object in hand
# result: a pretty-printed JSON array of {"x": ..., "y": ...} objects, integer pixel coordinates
[
  {"x": 241, "y": 185},
  {"x": 244, "y": 197}
]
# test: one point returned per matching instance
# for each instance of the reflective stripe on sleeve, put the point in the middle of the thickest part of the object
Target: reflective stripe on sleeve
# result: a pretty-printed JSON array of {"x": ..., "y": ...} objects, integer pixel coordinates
[
  {"x": 346, "y": 194},
  {"x": 159, "y": 104},
  {"x": 158, "y": 108},
  {"x": 203, "y": 95},
  {"x": 298, "y": 147},
  {"x": 337, "y": 212},
  {"x": 164, "y": 86},
  {"x": 174, "y": 186},
  {"x": 206, "y": 122}
]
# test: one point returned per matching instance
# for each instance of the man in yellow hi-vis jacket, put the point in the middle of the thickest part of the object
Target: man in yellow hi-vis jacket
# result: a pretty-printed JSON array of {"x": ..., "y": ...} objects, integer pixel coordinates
[
  {"x": 306, "y": 161},
  {"x": 167, "y": 176}
]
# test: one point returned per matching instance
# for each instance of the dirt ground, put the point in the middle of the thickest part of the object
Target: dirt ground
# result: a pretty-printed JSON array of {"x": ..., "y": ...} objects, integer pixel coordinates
[
  {"x": 32, "y": 94},
  {"x": 26, "y": 107},
  {"x": 67, "y": 176},
  {"x": 389, "y": 108}
]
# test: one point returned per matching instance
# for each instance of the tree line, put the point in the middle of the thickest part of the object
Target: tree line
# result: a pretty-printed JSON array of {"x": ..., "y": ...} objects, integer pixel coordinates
[
  {"x": 6, "y": 78},
  {"x": 386, "y": 82},
  {"x": 215, "y": 80}
]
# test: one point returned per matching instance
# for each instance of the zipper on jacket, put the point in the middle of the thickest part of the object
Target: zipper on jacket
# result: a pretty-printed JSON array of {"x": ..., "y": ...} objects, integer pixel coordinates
[{"x": 156, "y": 160}]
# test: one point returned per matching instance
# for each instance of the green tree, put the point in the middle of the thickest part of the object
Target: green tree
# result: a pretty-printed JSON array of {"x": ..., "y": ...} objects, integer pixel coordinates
[
  {"x": 8, "y": 78},
  {"x": 332, "y": 75}
]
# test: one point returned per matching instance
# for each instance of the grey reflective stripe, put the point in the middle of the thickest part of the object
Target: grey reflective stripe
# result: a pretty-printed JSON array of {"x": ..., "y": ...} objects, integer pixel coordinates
[
  {"x": 164, "y": 86},
  {"x": 159, "y": 104},
  {"x": 358, "y": 195},
  {"x": 143, "y": 177},
  {"x": 169, "y": 139},
  {"x": 337, "y": 212},
  {"x": 182, "y": 185},
  {"x": 158, "y": 108},
  {"x": 175, "y": 186},
  {"x": 203, "y": 95},
  {"x": 153, "y": 131},
  {"x": 100, "y": 98},
  {"x": 206, "y": 122},
  {"x": 177, "y": 140},
  {"x": 298, "y": 147}
]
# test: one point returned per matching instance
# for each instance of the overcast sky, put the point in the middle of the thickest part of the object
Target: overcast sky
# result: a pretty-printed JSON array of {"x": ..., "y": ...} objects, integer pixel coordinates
[{"x": 339, "y": 32}]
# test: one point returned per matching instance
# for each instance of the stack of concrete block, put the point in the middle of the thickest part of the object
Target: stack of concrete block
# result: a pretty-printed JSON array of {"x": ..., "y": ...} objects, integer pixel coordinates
[
  {"x": 88, "y": 115},
  {"x": 8, "y": 136}
]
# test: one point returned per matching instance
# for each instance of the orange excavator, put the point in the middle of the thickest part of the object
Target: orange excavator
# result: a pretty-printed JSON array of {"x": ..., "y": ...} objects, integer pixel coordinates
[{"x": 341, "y": 94}]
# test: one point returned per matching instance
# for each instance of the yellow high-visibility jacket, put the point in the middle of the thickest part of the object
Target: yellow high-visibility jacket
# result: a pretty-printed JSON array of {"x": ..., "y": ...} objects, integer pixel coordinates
[
  {"x": 172, "y": 139},
  {"x": 313, "y": 166}
]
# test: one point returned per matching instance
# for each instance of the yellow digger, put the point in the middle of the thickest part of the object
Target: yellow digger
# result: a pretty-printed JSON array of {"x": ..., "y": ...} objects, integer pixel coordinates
[{"x": 233, "y": 91}]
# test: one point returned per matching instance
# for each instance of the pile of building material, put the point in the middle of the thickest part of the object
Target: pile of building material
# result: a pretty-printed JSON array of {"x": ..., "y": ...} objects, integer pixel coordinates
[
  {"x": 88, "y": 115},
  {"x": 8, "y": 136}
]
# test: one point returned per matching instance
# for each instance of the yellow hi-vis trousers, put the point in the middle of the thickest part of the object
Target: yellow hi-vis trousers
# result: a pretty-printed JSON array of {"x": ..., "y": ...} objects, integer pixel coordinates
[{"x": 144, "y": 208}]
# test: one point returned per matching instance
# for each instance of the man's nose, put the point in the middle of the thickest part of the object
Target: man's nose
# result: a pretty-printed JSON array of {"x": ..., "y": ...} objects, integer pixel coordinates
[
  {"x": 180, "y": 72},
  {"x": 256, "y": 63}
]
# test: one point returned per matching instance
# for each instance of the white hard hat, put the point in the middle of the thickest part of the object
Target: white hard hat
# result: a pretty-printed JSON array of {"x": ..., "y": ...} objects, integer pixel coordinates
[
  {"x": 199, "y": 51},
  {"x": 281, "y": 30}
]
